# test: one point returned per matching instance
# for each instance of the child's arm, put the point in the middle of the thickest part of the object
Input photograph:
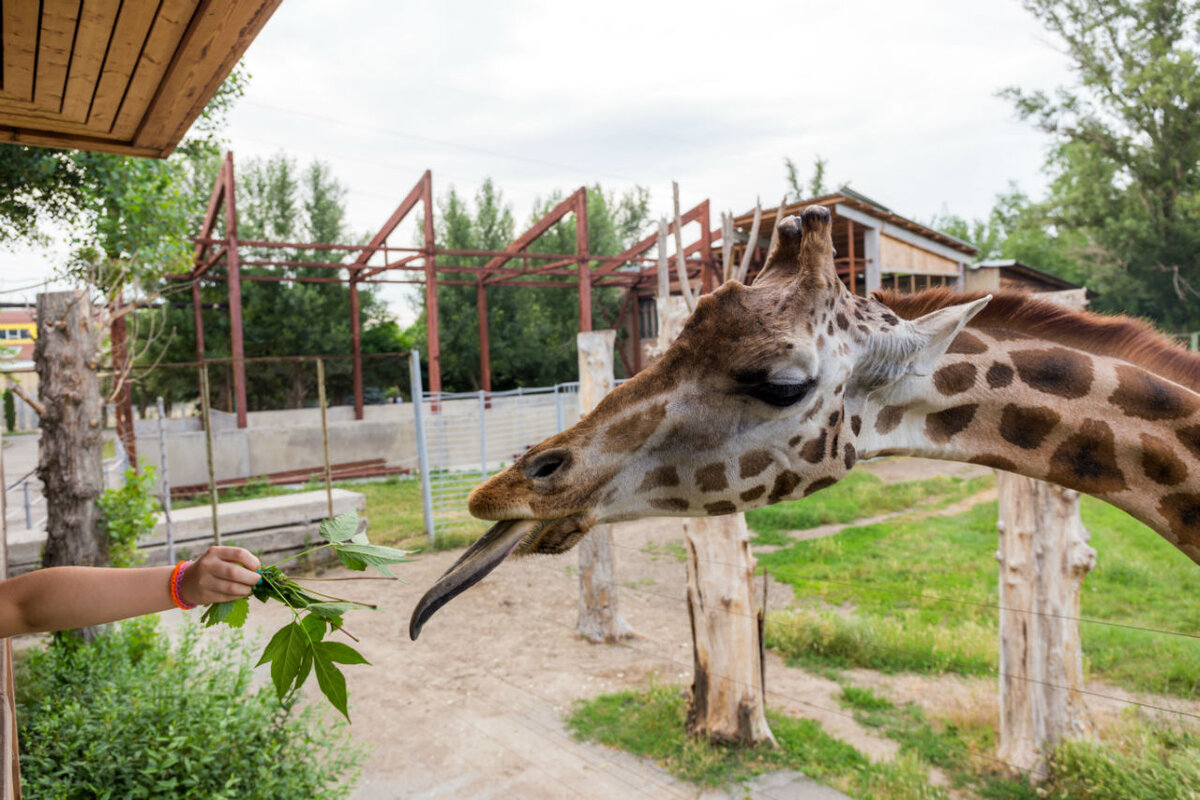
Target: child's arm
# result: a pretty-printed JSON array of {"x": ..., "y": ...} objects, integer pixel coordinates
[{"x": 62, "y": 598}]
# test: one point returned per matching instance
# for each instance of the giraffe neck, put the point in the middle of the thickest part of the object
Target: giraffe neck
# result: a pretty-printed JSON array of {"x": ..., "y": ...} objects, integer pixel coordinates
[{"x": 1093, "y": 423}]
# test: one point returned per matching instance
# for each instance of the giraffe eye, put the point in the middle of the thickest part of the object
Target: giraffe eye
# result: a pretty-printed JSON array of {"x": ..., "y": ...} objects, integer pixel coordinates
[{"x": 782, "y": 395}]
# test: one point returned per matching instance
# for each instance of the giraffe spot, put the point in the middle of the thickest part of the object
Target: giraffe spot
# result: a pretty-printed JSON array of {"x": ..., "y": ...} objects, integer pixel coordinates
[
  {"x": 856, "y": 424},
  {"x": 821, "y": 342},
  {"x": 659, "y": 477},
  {"x": 842, "y": 322},
  {"x": 967, "y": 344},
  {"x": 1027, "y": 428},
  {"x": 1160, "y": 464},
  {"x": 814, "y": 451},
  {"x": 795, "y": 440},
  {"x": 1055, "y": 370},
  {"x": 632, "y": 432},
  {"x": 999, "y": 375},
  {"x": 818, "y": 485},
  {"x": 669, "y": 503},
  {"x": 890, "y": 319},
  {"x": 858, "y": 315},
  {"x": 995, "y": 462},
  {"x": 1189, "y": 437},
  {"x": 812, "y": 412},
  {"x": 1087, "y": 461},
  {"x": 850, "y": 456},
  {"x": 754, "y": 462},
  {"x": 1182, "y": 512},
  {"x": 864, "y": 330},
  {"x": 785, "y": 483},
  {"x": 834, "y": 417},
  {"x": 829, "y": 330},
  {"x": 889, "y": 418},
  {"x": 1140, "y": 394},
  {"x": 723, "y": 507},
  {"x": 753, "y": 493},
  {"x": 941, "y": 425},
  {"x": 954, "y": 378},
  {"x": 833, "y": 447},
  {"x": 711, "y": 478}
]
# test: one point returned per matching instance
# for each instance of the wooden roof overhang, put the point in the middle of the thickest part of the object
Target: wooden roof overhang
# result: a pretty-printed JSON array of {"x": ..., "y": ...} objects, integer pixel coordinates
[{"x": 117, "y": 77}]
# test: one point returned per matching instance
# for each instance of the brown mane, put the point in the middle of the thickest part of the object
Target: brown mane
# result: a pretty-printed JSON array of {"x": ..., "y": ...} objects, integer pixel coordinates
[{"x": 1125, "y": 338}]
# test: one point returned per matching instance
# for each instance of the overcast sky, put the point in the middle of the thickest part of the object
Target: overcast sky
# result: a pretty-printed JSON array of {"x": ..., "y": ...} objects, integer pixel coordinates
[{"x": 900, "y": 98}]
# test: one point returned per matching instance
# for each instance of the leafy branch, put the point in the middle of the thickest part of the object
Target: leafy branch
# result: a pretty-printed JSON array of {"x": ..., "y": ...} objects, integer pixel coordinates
[{"x": 300, "y": 648}]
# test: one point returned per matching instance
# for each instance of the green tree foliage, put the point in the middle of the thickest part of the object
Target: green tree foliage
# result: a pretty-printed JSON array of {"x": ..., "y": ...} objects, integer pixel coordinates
[
  {"x": 10, "y": 410},
  {"x": 279, "y": 200},
  {"x": 532, "y": 330},
  {"x": 128, "y": 515},
  {"x": 797, "y": 189},
  {"x": 1126, "y": 155}
]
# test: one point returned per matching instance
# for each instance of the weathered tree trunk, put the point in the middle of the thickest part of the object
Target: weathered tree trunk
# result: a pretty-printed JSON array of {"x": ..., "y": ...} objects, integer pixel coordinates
[
  {"x": 599, "y": 618},
  {"x": 1044, "y": 557},
  {"x": 69, "y": 462},
  {"x": 727, "y": 702}
]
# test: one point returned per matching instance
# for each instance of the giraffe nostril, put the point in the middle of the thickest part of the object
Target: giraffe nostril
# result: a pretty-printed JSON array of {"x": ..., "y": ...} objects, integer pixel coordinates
[{"x": 546, "y": 464}]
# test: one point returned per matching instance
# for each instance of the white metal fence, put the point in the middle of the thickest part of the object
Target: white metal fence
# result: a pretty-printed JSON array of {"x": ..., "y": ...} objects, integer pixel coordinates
[{"x": 465, "y": 437}]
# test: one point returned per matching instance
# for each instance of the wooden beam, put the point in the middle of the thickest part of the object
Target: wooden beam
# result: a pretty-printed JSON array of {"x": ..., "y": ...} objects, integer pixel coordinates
[
  {"x": 96, "y": 23},
  {"x": 128, "y": 36},
  {"x": 55, "y": 41},
  {"x": 20, "y": 22},
  {"x": 162, "y": 43}
]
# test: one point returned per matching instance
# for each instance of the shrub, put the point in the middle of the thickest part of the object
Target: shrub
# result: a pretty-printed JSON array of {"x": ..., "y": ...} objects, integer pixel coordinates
[
  {"x": 10, "y": 411},
  {"x": 129, "y": 514},
  {"x": 129, "y": 716}
]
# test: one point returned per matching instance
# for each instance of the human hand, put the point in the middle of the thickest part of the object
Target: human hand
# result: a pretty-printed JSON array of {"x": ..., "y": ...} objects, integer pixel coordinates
[{"x": 222, "y": 573}]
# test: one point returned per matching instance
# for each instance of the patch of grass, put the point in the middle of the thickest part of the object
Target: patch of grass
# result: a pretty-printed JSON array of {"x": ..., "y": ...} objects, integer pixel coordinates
[
  {"x": 1143, "y": 762},
  {"x": 876, "y": 575},
  {"x": 651, "y": 724},
  {"x": 672, "y": 549},
  {"x": 858, "y": 496}
]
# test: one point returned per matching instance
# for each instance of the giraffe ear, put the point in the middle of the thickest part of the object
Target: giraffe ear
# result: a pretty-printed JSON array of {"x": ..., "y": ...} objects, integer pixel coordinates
[
  {"x": 913, "y": 348},
  {"x": 802, "y": 248}
]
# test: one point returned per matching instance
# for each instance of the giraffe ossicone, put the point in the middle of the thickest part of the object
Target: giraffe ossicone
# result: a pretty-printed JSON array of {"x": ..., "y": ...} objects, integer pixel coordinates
[{"x": 773, "y": 391}]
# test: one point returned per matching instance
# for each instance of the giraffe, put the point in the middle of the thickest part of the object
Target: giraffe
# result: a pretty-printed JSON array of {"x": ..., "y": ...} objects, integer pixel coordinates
[{"x": 773, "y": 391}]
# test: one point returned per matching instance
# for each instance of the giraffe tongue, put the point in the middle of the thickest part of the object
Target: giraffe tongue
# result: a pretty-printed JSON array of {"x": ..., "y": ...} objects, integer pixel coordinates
[{"x": 479, "y": 559}]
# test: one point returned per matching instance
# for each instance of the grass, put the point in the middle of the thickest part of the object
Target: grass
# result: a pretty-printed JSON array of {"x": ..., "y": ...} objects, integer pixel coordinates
[
  {"x": 865, "y": 607},
  {"x": 651, "y": 724},
  {"x": 859, "y": 495}
]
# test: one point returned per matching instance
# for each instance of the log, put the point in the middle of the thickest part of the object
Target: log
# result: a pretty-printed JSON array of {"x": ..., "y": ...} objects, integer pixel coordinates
[
  {"x": 600, "y": 619},
  {"x": 1044, "y": 557},
  {"x": 69, "y": 455},
  {"x": 728, "y": 686}
]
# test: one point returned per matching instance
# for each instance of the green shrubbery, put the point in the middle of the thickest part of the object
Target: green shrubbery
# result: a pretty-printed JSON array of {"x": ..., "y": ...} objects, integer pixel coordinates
[
  {"x": 129, "y": 514},
  {"x": 130, "y": 716}
]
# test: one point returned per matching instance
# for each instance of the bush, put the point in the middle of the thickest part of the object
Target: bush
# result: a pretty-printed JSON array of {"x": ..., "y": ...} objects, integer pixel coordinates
[
  {"x": 129, "y": 716},
  {"x": 10, "y": 410},
  {"x": 129, "y": 514}
]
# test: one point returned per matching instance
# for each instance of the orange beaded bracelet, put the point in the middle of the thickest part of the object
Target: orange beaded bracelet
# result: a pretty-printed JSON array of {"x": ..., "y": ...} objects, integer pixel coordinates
[{"x": 176, "y": 580}]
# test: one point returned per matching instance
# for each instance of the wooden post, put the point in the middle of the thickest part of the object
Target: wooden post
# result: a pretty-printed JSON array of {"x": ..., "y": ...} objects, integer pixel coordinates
[
  {"x": 727, "y": 702},
  {"x": 10, "y": 768},
  {"x": 599, "y": 618},
  {"x": 69, "y": 457},
  {"x": 1044, "y": 557}
]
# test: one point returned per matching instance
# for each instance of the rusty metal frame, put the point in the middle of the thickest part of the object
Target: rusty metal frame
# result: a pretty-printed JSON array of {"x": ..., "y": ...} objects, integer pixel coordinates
[{"x": 419, "y": 265}]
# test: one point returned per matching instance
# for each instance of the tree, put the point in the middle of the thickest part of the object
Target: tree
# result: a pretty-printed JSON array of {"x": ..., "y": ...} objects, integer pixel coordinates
[
  {"x": 816, "y": 187},
  {"x": 1126, "y": 154}
]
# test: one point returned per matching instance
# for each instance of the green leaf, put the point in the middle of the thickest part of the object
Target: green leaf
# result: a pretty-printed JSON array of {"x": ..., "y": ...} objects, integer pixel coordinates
[
  {"x": 340, "y": 529},
  {"x": 236, "y": 617},
  {"x": 376, "y": 555},
  {"x": 332, "y": 681},
  {"x": 288, "y": 657},
  {"x": 332, "y": 611},
  {"x": 217, "y": 612},
  {"x": 341, "y": 653},
  {"x": 314, "y": 626},
  {"x": 350, "y": 561},
  {"x": 275, "y": 646}
]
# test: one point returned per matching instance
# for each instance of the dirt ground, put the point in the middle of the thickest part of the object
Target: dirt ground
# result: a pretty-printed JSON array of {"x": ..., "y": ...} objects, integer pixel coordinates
[{"x": 475, "y": 708}]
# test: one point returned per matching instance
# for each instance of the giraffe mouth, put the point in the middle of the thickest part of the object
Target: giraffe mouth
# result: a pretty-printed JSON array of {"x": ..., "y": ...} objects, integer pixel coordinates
[{"x": 502, "y": 539}]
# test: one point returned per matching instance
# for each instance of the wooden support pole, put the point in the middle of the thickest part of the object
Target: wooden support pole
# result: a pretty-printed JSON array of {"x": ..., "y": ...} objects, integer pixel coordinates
[
  {"x": 431, "y": 297},
  {"x": 355, "y": 348},
  {"x": 237, "y": 343},
  {"x": 10, "y": 768},
  {"x": 325, "y": 434},
  {"x": 581, "y": 251},
  {"x": 206, "y": 418},
  {"x": 199, "y": 317},
  {"x": 119, "y": 342},
  {"x": 599, "y": 618},
  {"x": 850, "y": 252},
  {"x": 485, "y": 346}
]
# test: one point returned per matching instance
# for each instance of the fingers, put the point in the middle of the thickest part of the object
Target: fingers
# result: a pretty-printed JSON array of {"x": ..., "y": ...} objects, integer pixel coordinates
[{"x": 221, "y": 574}]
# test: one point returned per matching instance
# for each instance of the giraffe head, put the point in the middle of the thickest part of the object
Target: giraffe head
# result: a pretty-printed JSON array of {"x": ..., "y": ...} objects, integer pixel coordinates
[{"x": 753, "y": 403}]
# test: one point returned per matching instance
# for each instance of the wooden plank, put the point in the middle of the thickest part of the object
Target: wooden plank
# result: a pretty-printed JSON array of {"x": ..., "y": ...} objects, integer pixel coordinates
[
  {"x": 59, "y": 18},
  {"x": 129, "y": 34},
  {"x": 42, "y": 138},
  {"x": 165, "y": 37},
  {"x": 91, "y": 43},
  {"x": 210, "y": 49},
  {"x": 20, "y": 22}
]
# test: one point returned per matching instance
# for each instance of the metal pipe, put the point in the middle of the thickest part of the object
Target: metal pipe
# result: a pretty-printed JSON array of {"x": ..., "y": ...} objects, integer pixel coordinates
[
  {"x": 418, "y": 399},
  {"x": 28, "y": 507},
  {"x": 483, "y": 469},
  {"x": 164, "y": 480}
]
